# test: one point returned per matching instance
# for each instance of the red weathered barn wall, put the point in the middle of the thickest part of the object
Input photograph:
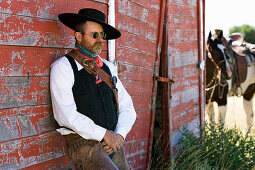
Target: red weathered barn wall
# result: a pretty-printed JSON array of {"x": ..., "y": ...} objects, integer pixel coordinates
[
  {"x": 136, "y": 52},
  {"x": 31, "y": 38},
  {"x": 183, "y": 60}
]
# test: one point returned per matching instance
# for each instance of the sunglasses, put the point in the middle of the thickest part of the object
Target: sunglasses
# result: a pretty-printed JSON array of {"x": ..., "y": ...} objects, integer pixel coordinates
[{"x": 95, "y": 35}]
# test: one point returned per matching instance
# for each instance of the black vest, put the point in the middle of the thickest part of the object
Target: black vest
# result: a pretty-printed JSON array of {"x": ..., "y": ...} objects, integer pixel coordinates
[{"x": 94, "y": 100}]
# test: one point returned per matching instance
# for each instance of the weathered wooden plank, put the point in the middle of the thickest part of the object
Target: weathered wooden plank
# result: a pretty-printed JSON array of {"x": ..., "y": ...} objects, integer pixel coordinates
[
  {"x": 25, "y": 121},
  {"x": 183, "y": 35},
  {"x": 137, "y": 43},
  {"x": 96, "y": 4},
  {"x": 40, "y": 89},
  {"x": 138, "y": 161},
  {"x": 144, "y": 133},
  {"x": 135, "y": 147},
  {"x": 136, "y": 153},
  {"x": 138, "y": 12},
  {"x": 188, "y": 117},
  {"x": 182, "y": 23},
  {"x": 184, "y": 3},
  {"x": 25, "y": 152},
  {"x": 184, "y": 110},
  {"x": 28, "y": 31},
  {"x": 183, "y": 59},
  {"x": 141, "y": 128},
  {"x": 155, "y": 5},
  {"x": 24, "y": 91},
  {"x": 135, "y": 57},
  {"x": 58, "y": 163},
  {"x": 182, "y": 47},
  {"x": 183, "y": 83},
  {"x": 142, "y": 102},
  {"x": 136, "y": 27},
  {"x": 33, "y": 8},
  {"x": 134, "y": 72},
  {"x": 179, "y": 10},
  {"x": 48, "y": 9},
  {"x": 185, "y": 71},
  {"x": 143, "y": 3},
  {"x": 24, "y": 61},
  {"x": 14, "y": 92},
  {"x": 137, "y": 88},
  {"x": 180, "y": 97}
]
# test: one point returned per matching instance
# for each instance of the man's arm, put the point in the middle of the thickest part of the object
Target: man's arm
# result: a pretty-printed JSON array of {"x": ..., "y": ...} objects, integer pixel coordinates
[{"x": 127, "y": 114}]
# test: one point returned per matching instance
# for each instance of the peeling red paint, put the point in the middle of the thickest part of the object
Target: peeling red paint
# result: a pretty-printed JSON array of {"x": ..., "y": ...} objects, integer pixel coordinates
[
  {"x": 32, "y": 150},
  {"x": 35, "y": 119},
  {"x": 8, "y": 123},
  {"x": 135, "y": 57},
  {"x": 19, "y": 127},
  {"x": 58, "y": 163}
]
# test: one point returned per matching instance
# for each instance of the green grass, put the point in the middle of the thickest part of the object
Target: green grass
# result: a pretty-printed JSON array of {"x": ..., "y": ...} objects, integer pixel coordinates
[{"x": 219, "y": 148}]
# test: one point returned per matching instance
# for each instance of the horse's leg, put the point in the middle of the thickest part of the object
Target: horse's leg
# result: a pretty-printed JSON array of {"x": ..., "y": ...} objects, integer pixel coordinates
[
  {"x": 249, "y": 107},
  {"x": 210, "y": 113},
  {"x": 253, "y": 109},
  {"x": 222, "y": 110}
]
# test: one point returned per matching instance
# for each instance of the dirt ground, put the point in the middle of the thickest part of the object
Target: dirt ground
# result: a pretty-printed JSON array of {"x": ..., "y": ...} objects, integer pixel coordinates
[{"x": 239, "y": 114}]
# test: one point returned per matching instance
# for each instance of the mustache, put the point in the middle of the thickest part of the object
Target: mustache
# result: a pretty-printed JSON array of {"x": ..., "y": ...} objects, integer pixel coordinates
[{"x": 98, "y": 44}]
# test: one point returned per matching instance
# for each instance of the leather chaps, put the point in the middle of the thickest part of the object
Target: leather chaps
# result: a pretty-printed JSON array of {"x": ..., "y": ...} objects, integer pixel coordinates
[{"x": 90, "y": 155}]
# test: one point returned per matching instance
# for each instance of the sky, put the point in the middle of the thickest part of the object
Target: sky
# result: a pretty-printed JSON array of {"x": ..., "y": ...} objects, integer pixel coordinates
[{"x": 224, "y": 14}]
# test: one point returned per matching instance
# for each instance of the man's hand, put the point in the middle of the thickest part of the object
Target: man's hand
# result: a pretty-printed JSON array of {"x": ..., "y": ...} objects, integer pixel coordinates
[
  {"x": 107, "y": 148},
  {"x": 112, "y": 140}
]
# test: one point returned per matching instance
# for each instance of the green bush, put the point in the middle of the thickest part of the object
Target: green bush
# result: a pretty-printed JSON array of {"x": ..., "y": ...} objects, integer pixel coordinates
[{"x": 218, "y": 148}]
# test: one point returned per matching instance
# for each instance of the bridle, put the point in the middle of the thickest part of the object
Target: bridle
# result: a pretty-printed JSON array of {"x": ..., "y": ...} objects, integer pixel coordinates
[
  {"x": 216, "y": 76},
  {"x": 216, "y": 80}
]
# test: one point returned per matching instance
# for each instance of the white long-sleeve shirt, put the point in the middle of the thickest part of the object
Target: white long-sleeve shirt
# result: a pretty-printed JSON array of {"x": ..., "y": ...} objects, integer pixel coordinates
[{"x": 65, "y": 110}]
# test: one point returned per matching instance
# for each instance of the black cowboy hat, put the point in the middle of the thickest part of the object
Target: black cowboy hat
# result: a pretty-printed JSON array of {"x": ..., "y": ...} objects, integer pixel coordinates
[{"x": 89, "y": 14}]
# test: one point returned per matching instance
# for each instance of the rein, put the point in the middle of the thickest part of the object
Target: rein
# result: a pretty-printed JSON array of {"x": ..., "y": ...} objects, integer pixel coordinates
[{"x": 216, "y": 76}]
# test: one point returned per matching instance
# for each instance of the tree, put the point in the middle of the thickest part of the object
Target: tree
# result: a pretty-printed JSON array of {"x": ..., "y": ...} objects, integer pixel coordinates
[{"x": 247, "y": 31}]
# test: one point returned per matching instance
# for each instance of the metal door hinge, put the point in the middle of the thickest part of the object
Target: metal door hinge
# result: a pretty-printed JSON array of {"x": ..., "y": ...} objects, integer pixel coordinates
[{"x": 163, "y": 79}]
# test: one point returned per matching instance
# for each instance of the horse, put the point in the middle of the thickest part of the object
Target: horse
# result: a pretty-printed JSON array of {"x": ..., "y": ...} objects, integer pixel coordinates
[{"x": 230, "y": 70}]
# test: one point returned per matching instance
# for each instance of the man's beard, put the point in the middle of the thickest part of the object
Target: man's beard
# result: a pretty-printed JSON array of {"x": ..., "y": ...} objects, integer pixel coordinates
[{"x": 96, "y": 48}]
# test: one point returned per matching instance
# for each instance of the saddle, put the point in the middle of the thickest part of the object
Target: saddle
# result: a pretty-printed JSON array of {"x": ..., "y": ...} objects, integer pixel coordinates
[
  {"x": 237, "y": 44},
  {"x": 239, "y": 53},
  {"x": 241, "y": 68},
  {"x": 237, "y": 37}
]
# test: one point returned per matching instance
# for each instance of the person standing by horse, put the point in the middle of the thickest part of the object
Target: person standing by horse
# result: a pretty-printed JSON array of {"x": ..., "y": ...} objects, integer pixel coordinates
[{"x": 89, "y": 101}]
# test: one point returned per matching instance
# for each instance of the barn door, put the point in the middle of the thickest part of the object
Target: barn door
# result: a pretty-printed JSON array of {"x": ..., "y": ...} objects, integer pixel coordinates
[{"x": 162, "y": 92}]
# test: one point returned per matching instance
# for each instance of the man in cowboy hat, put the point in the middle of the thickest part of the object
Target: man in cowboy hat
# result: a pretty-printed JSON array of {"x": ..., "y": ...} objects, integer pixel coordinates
[{"x": 84, "y": 104}]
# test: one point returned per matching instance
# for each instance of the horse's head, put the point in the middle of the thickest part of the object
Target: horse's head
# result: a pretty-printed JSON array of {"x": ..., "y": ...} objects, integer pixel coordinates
[
  {"x": 216, "y": 57},
  {"x": 217, "y": 68}
]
